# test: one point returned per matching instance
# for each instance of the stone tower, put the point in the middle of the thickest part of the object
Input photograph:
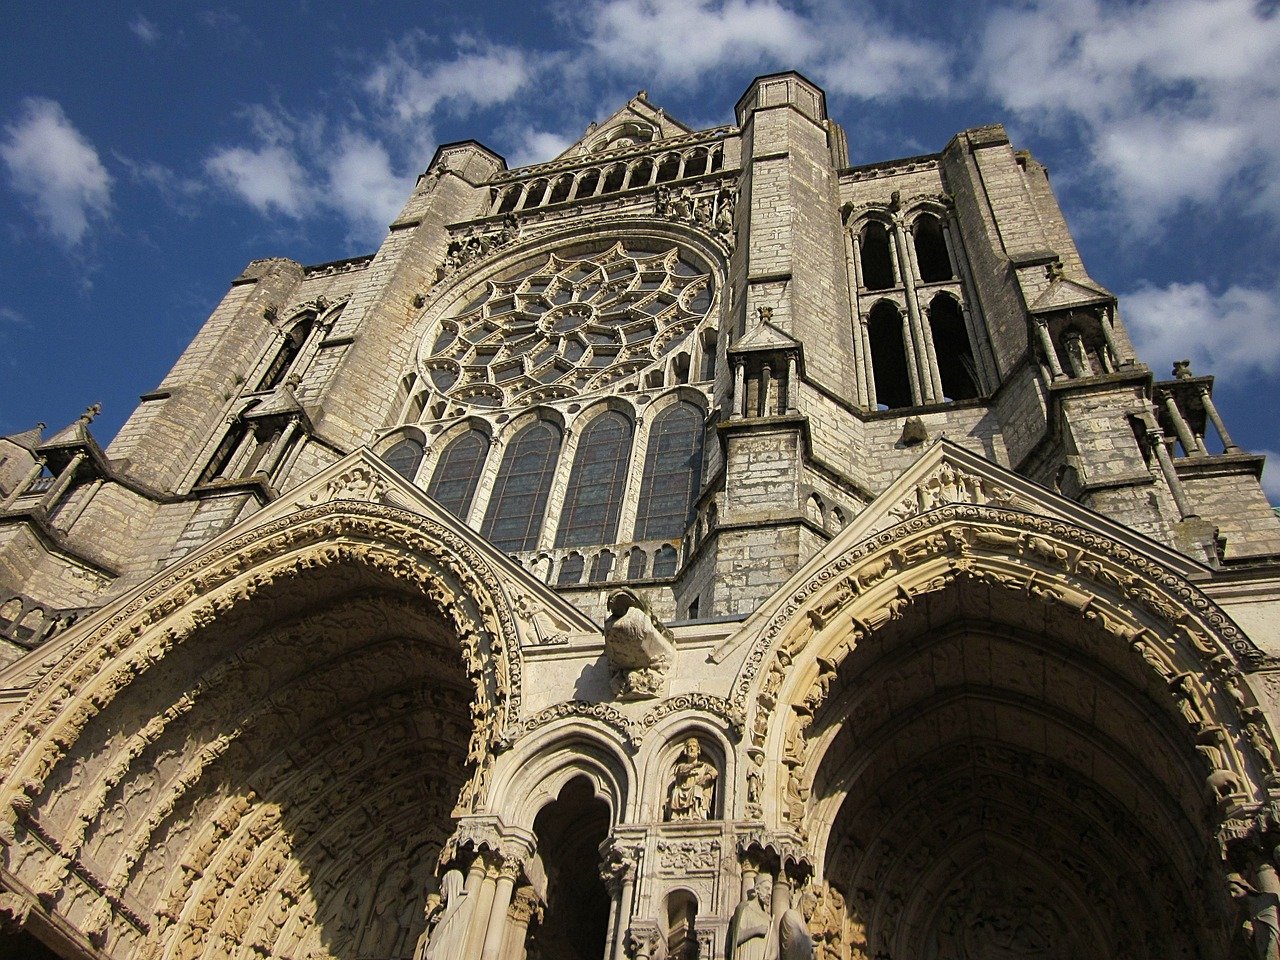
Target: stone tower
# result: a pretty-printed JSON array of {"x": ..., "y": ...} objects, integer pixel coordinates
[{"x": 693, "y": 546}]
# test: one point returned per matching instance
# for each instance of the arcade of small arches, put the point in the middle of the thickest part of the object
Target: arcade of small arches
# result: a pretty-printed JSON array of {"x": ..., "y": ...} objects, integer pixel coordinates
[
  {"x": 607, "y": 178},
  {"x": 917, "y": 340}
]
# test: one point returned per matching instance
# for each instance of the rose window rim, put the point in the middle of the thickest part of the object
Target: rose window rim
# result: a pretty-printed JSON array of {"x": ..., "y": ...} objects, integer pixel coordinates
[{"x": 572, "y": 319}]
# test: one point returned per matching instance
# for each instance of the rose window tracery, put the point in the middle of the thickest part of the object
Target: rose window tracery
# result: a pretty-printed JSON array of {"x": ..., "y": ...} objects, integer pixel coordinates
[{"x": 569, "y": 324}]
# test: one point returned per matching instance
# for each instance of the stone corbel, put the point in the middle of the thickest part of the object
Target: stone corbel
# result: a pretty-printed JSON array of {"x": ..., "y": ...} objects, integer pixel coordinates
[{"x": 14, "y": 911}]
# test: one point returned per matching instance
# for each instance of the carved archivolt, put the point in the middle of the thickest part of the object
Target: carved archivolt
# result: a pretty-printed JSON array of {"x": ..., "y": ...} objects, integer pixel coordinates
[
  {"x": 105, "y": 813},
  {"x": 1155, "y": 617}
]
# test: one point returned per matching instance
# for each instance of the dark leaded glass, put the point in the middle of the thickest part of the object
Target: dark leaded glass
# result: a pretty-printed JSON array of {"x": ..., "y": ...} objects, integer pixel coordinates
[
  {"x": 404, "y": 458},
  {"x": 571, "y": 570},
  {"x": 453, "y": 483},
  {"x": 594, "y": 498},
  {"x": 519, "y": 501},
  {"x": 672, "y": 472}
]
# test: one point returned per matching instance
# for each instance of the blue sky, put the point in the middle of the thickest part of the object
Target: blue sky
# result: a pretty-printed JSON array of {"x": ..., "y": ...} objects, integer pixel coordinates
[{"x": 148, "y": 151}]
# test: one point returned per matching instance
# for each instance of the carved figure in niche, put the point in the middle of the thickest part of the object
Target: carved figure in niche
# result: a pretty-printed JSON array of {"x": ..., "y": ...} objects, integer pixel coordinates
[
  {"x": 693, "y": 785},
  {"x": 1262, "y": 916},
  {"x": 751, "y": 929},
  {"x": 445, "y": 942},
  {"x": 639, "y": 648}
]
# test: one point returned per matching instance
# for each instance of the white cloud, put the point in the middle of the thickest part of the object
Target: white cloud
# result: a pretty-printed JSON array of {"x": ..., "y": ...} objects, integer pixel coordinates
[
  {"x": 1170, "y": 96},
  {"x": 11, "y": 317},
  {"x": 57, "y": 170},
  {"x": 268, "y": 178},
  {"x": 846, "y": 49},
  {"x": 538, "y": 146},
  {"x": 145, "y": 30},
  {"x": 361, "y": 184},
  {"x": 412, "y": 87},
  {"x": 1235, "y": 332},
  {"x": 678, "y": 40}
]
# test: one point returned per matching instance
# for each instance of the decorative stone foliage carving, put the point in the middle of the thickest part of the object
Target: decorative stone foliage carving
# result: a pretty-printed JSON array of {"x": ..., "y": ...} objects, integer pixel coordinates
[
  {"x": 638, "y": 646},
  {"x": 476, "y": 244},
  {"x": 682, "y": 857}
]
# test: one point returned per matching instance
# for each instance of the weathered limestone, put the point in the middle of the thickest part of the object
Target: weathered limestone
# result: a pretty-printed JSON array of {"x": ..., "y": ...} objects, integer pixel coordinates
[{"x": 692, "y": 546}]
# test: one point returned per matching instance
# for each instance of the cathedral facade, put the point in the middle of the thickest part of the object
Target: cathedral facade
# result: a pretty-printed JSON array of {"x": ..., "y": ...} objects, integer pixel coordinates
[{"x": 693, "y": 546}]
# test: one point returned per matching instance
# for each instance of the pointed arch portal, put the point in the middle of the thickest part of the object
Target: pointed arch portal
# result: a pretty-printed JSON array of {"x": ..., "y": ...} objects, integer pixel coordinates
[
  {"x": 1004, "y": 736},
  {"x": 265, "y": 751}
]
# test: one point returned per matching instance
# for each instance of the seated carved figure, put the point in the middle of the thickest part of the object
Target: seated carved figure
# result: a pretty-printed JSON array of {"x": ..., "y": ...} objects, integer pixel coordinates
[{"x": 639, "y": 648}]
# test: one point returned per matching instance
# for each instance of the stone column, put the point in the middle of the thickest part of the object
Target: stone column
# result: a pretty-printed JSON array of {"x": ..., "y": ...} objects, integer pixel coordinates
[
  {"x": 31, "y": 476},
  {"x": 867, "y": 369},
  {"x": 766, "y": 406},
  {"x": 1209, "y": 408},
  {"x": 55, "y": 492},
  {"x": 1109, "y": 335},
  {"x": 497, "y": 919},
  {"x": 1180, "y": 426},
  {"x": 854, "y": 280},
  {"x": 479, "y": 887},
  {"x": 739, "y": 390},
  {"x": 793, "y": 387},
  {"x": 1156, "y": 438},
  {"x": 1076, "y": 358},
  {"x": 524, "y": 907},
  {"x": 1050, "y": 352},
  {"x": 923, "y": 371}
]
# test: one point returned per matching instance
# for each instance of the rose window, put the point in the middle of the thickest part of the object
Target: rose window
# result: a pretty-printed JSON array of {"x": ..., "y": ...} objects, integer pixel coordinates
[{"x": 569, "y": 325}]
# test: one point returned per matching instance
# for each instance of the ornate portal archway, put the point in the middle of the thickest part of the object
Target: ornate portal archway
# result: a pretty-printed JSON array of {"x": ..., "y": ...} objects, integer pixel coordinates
[
  {"x": 1000, "y": 735},
  {"x": 264, "y": 751}
]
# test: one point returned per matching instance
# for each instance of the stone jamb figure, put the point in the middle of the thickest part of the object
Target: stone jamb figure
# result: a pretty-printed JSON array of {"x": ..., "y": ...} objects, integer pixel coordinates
[
  {"x": 1262, "y": 916},
  {"x": 693, "y": 784},
  {"x": 751, "y": 932}
]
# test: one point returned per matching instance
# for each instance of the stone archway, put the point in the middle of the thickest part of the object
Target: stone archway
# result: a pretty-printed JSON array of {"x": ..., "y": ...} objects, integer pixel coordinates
[
  {"x": 1003, "y": 736},
  {"x": 265, "y": 753}
]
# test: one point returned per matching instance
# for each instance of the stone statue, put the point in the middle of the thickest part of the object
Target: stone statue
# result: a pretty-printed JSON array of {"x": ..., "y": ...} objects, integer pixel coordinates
[
  {"x": 751, "y": 929},
  {"x": 692, "y": 786},
  {"x": 1262, "y": 916},
  {"x": 445, "y": 941},
  {"x": 639, "y": 648},
  {"x": 794, "y": 940}
]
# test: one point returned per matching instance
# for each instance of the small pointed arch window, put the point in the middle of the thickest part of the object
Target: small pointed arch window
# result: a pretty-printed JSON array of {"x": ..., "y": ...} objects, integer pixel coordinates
[
  {"x": 931, "y": 249},
  {"x": 457, "y": 473},
  {"x": 889, "y": 356},
  {"x": 405, "y": 458},
  {"x": 593, "y": 500},
  {"x": 875, "y": 257},
  {"x": 956, "y": 368},
  {"x": 519, "y": 502},
  {"x": 560, "y": 192},
  {"x": 287, "y": 353},
  {"x": 672, "y": 474}
]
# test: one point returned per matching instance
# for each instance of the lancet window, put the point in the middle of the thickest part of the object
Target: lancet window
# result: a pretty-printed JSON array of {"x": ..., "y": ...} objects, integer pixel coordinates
[
  {"x": 519, "y": 502},
  {"x": 453, "y": 482},
  {"x": 594, "y": 497},
  {"x": 672, "y": 473},
  {"x": 921, "y": 345},
  {"x": 404, "y": 458}
]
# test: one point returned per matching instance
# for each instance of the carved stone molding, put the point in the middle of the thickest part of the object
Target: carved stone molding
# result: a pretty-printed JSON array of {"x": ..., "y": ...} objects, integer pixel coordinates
[
  {"x": 1045, "y": 561},
  {"x": 409, "y": 548}
]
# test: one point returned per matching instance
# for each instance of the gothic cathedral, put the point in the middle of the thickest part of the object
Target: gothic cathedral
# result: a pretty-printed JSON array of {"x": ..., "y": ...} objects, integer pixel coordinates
[{"x": 694, "y": 546}]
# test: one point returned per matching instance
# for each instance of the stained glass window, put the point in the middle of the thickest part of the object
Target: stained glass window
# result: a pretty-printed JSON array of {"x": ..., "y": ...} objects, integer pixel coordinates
[
  {"x": 672, "y": 473},
  {"x": 594, "y": 498},
  {"x": 453, "y": 483},
  {"x": 404, "y": 458},
  {"x": 514, "y": 518}
]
